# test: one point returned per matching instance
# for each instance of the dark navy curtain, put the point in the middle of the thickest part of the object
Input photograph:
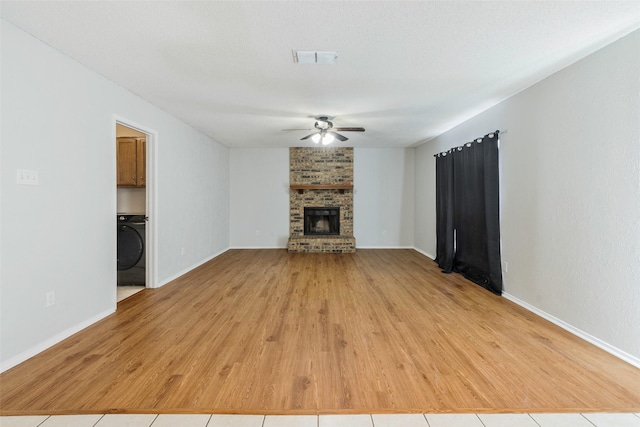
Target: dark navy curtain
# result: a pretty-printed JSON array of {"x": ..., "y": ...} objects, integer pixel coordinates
[{"x": 474, "y": 212}]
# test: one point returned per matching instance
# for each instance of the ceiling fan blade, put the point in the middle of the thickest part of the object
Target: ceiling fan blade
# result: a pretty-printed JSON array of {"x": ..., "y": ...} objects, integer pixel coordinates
[
  {"x": 308, "y": 136},
  {"x": 350, "y": 129},
  {"x": 286, "y": 130},
  {"x": 338, "y": 136}
]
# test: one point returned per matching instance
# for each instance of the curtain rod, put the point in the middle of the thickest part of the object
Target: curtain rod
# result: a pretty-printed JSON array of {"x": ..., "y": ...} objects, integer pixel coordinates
[{"x": 497, "y": 132}]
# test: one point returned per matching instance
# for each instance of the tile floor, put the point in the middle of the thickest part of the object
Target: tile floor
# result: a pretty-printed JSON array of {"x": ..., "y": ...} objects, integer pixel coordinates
[
  {"x": 127, "y": 291},
  {"x": 375, "y": 420}
]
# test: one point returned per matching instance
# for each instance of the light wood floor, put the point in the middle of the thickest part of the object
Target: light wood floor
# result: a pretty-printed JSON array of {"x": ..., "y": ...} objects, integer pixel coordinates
[{"x": 267, "y": 332}]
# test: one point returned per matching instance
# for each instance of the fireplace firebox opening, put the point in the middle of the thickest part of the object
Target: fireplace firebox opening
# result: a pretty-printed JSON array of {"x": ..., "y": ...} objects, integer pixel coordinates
[{"x": 321, "y": 221}]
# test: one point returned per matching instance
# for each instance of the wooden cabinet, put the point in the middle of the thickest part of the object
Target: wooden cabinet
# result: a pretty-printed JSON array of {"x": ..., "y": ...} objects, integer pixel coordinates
[
  {"x": 131, "y": 158},
  {"x": 141, "y": 161}
]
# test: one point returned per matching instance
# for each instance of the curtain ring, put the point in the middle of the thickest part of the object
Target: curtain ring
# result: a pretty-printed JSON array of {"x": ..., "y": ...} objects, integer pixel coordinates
[
  {"x": 491, "y": 135},
  {"x": 479, "y": 140}
]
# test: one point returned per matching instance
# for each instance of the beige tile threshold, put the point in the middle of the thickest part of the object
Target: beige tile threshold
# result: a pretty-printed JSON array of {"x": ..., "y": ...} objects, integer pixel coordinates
[{"x": 359, "y": 420}]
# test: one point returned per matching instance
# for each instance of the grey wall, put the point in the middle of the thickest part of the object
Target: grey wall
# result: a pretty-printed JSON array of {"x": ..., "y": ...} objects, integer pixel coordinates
[
  {"x": 383, "y": 197},
  {"x": 60, "y": 236},
  {"x": 259, "y": 197},
  {"x": 570, "y": 194}
]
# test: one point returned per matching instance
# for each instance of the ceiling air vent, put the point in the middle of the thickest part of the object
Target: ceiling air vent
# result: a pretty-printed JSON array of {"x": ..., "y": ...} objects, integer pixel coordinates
[{"x": 315, "y": 56}]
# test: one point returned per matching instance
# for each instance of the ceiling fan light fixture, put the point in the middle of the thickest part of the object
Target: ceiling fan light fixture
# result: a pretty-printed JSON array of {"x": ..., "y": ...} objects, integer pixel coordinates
[{"x": 325, "y": 133}]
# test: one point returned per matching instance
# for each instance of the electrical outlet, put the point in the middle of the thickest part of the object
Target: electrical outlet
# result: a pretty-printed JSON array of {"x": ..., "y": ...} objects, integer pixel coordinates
[
  {"x": 181, "y": 251},
  {"x": 505, "y": 267},
  {"x": 51, "y": 298},
  {"x": 27, "y": 177}
]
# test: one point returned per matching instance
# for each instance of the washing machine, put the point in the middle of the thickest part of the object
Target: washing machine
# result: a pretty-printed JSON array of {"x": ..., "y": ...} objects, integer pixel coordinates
[{"x": 131, "y": 250}]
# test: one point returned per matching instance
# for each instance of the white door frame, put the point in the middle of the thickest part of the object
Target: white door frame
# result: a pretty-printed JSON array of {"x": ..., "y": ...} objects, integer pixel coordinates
[{"x": 151, "y": 230}]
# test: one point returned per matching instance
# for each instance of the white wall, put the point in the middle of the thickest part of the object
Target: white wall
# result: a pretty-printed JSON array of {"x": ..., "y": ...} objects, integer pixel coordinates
[
  {"x": 60, "y": 236},
  {"x": 570, "y": 194},
  {"x": 131, "y": 201},
  {"x": 193, "y": 200},
  {"x": 383, "y": 201},
  {"x": 259, "y": 197}
]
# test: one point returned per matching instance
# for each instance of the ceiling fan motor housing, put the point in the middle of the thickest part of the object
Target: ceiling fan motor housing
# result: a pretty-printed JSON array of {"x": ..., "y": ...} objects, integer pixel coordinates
[{"x": 323, "y": 124}]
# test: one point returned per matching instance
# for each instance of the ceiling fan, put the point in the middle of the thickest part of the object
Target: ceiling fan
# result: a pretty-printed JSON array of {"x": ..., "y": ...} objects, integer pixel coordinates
[{"x": 325, "y": 132}]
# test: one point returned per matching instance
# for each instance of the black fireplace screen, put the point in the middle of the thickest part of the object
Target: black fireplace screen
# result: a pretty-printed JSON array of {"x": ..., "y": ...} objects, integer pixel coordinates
[{"x": 322, "y": 221}]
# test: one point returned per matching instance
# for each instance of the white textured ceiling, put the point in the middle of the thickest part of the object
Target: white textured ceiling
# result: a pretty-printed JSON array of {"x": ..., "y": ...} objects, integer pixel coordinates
[{"x": 407, "y": 70}]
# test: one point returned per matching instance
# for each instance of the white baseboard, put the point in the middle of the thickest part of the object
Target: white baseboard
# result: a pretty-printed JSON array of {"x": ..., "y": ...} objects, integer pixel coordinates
[
  {"x": 577, "y": 332},
  {"x": 188, "y": 269},
  {"x": 424, "y": 253},
  {"x": 357, "y": 247},
  {"x": 383, "y": 247},
  {"x": 27, "y": 354},
  {"x": 257, "y": 247}
]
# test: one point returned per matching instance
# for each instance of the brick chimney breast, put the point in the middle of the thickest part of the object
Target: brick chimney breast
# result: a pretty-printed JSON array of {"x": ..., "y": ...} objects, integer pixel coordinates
[{"x": 326, "y": 176}]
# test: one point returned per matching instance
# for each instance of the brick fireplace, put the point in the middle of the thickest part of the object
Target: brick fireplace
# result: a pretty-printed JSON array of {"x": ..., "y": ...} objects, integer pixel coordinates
[{"x": 321, "y": 180}]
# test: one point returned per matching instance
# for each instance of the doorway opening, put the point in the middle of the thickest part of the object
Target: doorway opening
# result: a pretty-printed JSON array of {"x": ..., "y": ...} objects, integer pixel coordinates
[{"x": 134, "y": 208}]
